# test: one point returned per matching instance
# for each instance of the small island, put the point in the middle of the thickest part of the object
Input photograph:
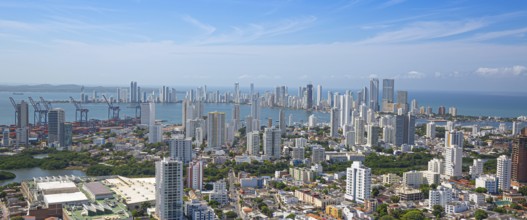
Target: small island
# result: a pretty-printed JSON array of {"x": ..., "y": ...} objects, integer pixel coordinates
[{"x": 4, "y": 175}]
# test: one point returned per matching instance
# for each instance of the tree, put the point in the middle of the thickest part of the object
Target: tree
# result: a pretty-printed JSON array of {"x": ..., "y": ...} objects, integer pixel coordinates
[
  {"x": 523, "y": 190},
  {"x": 413, "y": 215},
  {"x": 291, "y": 216},
  {"x": 480, "y": 214},
  {"x": 395, "y": 199},
  {"x": 387, "y": 217},
  {"x": 382, "y": 209},
  {"x": 231, "y": 214},
  {"x": 437, "y": 211},
  {"x": 489, "y": 200},
  {"x": 375, "y": 192},
  {"x": 481, "y": 190}
]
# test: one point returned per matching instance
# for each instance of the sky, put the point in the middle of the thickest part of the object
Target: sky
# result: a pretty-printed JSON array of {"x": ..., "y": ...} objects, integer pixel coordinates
[{"x": 478, "y": 45}]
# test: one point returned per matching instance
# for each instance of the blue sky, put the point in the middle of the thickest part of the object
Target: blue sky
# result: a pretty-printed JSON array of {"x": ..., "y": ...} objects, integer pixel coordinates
[{"x": 437, "y": 45}]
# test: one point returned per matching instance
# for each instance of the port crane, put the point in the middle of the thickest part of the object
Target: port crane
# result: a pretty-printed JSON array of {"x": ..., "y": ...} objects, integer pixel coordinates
[
  {"x": 17, "y": 112},
  {"x": 113, "y": 110},
  {"x": 40, "y": 115},
  {"x": 83, "y": 119}
]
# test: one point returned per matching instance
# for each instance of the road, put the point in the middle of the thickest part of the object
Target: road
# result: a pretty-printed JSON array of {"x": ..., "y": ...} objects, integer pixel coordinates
[
  {"x": 234, "y": 193},
  {"x": 5, "y": 211}
]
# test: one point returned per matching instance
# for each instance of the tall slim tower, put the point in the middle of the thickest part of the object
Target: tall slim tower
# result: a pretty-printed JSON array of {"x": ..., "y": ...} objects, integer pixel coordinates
[
  {"x": 237, "y": 93},
  {"x": 253, "y": 143},
  {"x": 216, "y": 129},
  {"x": 281, "y": 121},
  {"x": 431, "y": 130},
  {"x": 148, "y": 113},
  {"x": 387, "y": 92},
  {"x": 195, "y": 175},
  {"x": 334, "y": 122},
  {"x": 22, "y": 131},
  {"x": 56, "y": 118},
  {"x": 453, "y": 161},
  {"x": 309, "y": 97},
  {"x": 319, "y": 95},
  {"x": 169, "y": 189},
  {"x": 374, "y": 94},
  {"x": 503, "y": 172},
  {"x": 358, "y": 182},
  {"x": 272, "y": 140},
  {"x": 519, "y": 157}
]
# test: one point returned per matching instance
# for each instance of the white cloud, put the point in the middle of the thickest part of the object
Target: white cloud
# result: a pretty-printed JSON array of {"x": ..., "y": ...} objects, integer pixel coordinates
[
  {"x": 256, "y": 31},
  {"x": 244, "y": 76},
  {"x": 427, "y": 30},
  {"x": 499, "y": 34},
  {"x": 517, "y": 70},
  {"x": 205, "y": 27},
  {"x": 412, "y": 75}
]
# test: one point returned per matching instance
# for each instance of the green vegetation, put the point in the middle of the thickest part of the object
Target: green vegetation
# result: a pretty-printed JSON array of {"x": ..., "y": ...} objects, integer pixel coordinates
[
  {"x": 481, "y": 190},
  {"x": 267, "y": 168},
  {"x": 4, "y": 175},
  {"x": 381, "y": 164},
  {"x": 397, "y": 164},
  {"x": 55, "y": 160},
  {"x": 438, "y": 211},
  {"x": 480, "y": 214},
  {"x": 131, "y": 169}
]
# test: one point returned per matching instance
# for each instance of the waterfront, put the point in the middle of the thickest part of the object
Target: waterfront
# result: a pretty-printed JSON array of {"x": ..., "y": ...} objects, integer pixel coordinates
[
  {"x": 474, "y": 104},
  {"x": 30, "y": 173}
]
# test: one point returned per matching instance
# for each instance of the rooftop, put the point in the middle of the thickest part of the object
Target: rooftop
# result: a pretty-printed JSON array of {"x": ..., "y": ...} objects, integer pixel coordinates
[
  {"x": 65, "y": 198},
  {"x": 97, "y": 188},
  {"x": 55, "y": 185},
  {"x": 134, "y": 190}
]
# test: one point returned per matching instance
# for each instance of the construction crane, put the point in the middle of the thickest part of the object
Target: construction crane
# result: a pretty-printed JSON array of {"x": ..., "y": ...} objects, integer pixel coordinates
[
  {"x": 45, "y": 103},
  {"x": 114, "y": 109},
  {"x": 16, "y": 109},
  {"x": 39, "y": 114},
  {"x": 83, "y": 112}
]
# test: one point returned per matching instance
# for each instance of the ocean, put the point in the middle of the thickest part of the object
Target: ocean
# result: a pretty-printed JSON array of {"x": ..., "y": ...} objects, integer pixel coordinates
[{"x": 467, "y": 103}]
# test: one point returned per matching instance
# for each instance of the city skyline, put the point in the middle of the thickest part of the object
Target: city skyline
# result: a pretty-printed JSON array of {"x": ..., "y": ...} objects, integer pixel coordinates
[{"x": 423, "y": 45}]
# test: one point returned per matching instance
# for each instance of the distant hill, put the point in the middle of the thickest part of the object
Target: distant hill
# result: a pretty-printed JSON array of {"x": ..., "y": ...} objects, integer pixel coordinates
[{"x": 53, "y": 88}]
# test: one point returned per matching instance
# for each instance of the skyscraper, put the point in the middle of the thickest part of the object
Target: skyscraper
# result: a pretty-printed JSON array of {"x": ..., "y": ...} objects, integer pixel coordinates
[
  {"x": 453, "y": 161},
  {"x": 318, "y": 154},
  {"x": 373, "y": 136},
  {"x": 272, "y": 140},
  {"x": 216, "y": 129},
  {"x": 404, "y": 129},
  {"x": 454, "y": 137},
  {"x": 319, "y": 95},
  {"x": 22, "y": 126},
  {"x": 519, "y": 157},
  {"x": 374, "y": 94},
  {"x": 236, "y": 117},
  {"x": 169, "y": 189},
  {"x": 134, "y": 92},
  {"x": 387, "y": 91},
  {"x": 253, "y": 143},
  {"x": 359, "y": 131},
  {"x": 195, "y": 175},
  {"x": 309, "y": 97},
  {"x": 440, "y": 196},
  {"x": 402, "y": 100},
  {"x": 431, "y": 130},
  {"x": 255, "y": 110},
  {"x": 334, "y": 122},
  {"x": 148, "y": 113},
  {"x": 155, "y": 133},
  {"x": 181, "y": 149},
  {"x": 237, "y": 93},
  {"x": 55, "y": 125},
  {"x": 281, "y": 121},
  {"x": 503, "y": 172},
  {"x": 358, "y": 182}
]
